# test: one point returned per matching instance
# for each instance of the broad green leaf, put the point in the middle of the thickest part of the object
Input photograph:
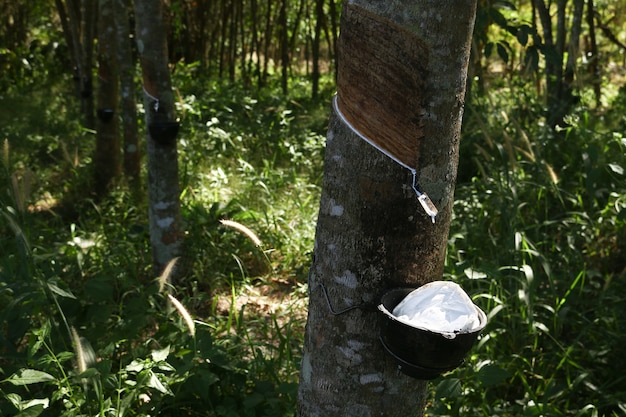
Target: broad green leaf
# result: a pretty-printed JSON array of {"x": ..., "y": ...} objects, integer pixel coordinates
[
  {"x": 617, "y": 169},
  {"x": 35, "y": 402},
  {"x": 161, "y": 354},
  {"x": 14, "y": 399},
  {"x": 448, "y": 388},
  {"x": 135, "y": 366},
  {"x": 89, "y": 373},
  {"x": 502, "y": 52},
  {"x": 488, "y": 48},
  {"x": 111, "y": 382},
  {"x": 164, "y": 366},
  {"x": 490, "y": 375},
  {"x": 33, "y": 411},
  {"x": 149, "y": 379},
  {"x": 29, "y": 376},
  {"x": 522, "y": 35},
  {"x": 474, "y": 274}
]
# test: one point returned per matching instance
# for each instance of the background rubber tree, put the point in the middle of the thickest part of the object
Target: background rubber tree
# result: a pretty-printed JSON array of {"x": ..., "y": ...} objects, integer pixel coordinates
[
  {"x": 164, "y": 194},
  {"x": 107, "y": 157},
  {"x": 78, "y": 20},
  {"x": 401, "y": 83},
  {"x": 561, "y": 47},
  {"x": 128, "y": 105}
]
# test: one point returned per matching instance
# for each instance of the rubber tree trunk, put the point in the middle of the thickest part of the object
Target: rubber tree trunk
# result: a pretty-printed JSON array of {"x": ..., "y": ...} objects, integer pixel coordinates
[
  {"x": 127, "y": 86},
  {"x": 560, "y": 62},
  {"x": 89, "y": 17},
  {"x": 402, "y": 72},
  {"x": 107, "y": 159},
  {"x": 163, "y": 189},
  {"x": 78, "y": 20}
]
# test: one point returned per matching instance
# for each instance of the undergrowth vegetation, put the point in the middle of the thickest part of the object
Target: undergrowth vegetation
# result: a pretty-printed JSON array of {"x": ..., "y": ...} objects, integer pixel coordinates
[
  {"x": 537, "y": 240},
  {"x": 88, "y": 331}
]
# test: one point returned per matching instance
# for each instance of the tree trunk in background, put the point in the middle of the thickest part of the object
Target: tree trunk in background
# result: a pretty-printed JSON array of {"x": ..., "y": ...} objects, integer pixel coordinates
[
  {"x": 267, "y": 41},
  {"x": 127, "y": 85},
  {"x": 284, "y": 46},
  {"x": 223, "y": 39},
  {"x": 166, "y": 236},
  {"x": 68, "y": 34},
  {"x": 255, "y": 46},
  {"x": 107, "y": 159},
  {"x": 89, "y": 11},
  {"x": 573, "y": 52},
  {"x": 592, "y": 54},
  {"x": 315, "y": 47},
  {"x": 78, "y": 21},
  {"x": 561, "y": 54},
  {"x": 232, "y": 40},
  {"x": 372, "y": 234}
]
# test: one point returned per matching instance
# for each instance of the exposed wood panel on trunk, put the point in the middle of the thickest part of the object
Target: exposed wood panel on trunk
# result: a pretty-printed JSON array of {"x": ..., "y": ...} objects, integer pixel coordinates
[{"x": 382, "y": 68}]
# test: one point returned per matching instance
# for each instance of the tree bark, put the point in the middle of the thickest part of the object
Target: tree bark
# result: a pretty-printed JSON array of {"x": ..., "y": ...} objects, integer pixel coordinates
[
  {"x": 284, "y": 46},
  {"x": 372, "y": 234},
  {"x": 315, "y": 47},
  {"x": 592, "y": 51},
  {"x": 107, "y": 159},
  {"x": 127, "y": 86},
  {"x": 78, "y": 21},
  {"x": 572, "y": 55},
  {"x": 560, "y": 66},
  {"x": 163, "y": 190},
  {"x": 89, "y": 11}
]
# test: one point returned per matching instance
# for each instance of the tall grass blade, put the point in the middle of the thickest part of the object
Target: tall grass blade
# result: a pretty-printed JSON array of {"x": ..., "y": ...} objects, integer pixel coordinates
[
  {"x": 5, "y": 153},
  {"x": 243, "y": 229},
  {"x": 164, "y": 278},
  {"x": 184, "y": 314}
]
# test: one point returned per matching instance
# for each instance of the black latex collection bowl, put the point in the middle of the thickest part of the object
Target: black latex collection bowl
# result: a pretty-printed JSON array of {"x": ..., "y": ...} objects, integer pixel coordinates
[
  {"x": 421, "y": 353},
  {"x": 164, "y": 133}
]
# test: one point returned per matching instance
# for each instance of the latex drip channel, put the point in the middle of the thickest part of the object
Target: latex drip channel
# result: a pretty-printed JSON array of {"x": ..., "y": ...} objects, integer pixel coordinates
[{"x": 425, "y": 201}]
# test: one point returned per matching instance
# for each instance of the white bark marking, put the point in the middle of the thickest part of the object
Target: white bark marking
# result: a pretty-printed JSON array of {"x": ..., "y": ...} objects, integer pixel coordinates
[
  {"x": 165, "y": 223},
  {"x": 371, "y": 378},
  {"x": 355, "y": 344},
  {"x": 163, "y": 205},
  {"x": 307, "y": 369},
  {"x": 348, "y": 279},
  {"x": 351, "y": 355},
  {"x": 336, "y": 209}
]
